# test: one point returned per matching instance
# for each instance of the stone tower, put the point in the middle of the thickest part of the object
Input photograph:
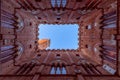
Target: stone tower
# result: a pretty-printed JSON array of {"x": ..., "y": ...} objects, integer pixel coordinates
[{"x": 43, "y": 43}]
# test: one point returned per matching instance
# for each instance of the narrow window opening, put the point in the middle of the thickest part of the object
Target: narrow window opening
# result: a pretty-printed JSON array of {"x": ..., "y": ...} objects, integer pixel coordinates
[
  {"x": 39, "y": 55},
  {"x": 77, "y": 55},
  {"x": 89, "y": 27},
  {"x": 52, "y": 70},
  {"x": 30, "y": 46},
  {"x": 77, "y": 18},
  {"x": 58, "y": 56},
  {"x": 86, "y": 46},
  {"x": 58, "y": 18},
  {"x": 30, "y": 23},
  {"x": 39, "y": 17}
]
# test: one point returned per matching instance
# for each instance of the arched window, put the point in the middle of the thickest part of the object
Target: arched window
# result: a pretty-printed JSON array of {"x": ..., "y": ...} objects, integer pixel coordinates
[
  {"x": 64, "y": 70},
  {"x": 19, "y": 48},
  {"x": 58, "y": 69},
  {"x": 52, "y": 70},
  {"x": 58, "y": 3},
  {"x": 89, "y": 26},
  {"x": 20, "y": 22}
]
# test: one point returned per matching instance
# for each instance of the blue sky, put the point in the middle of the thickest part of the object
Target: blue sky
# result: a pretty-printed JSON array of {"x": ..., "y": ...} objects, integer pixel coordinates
[{"x": 63, "y": 36}]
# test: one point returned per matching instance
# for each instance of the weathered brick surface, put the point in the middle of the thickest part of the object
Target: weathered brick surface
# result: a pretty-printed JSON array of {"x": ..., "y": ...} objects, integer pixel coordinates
[{"x": 92, "y": 40}]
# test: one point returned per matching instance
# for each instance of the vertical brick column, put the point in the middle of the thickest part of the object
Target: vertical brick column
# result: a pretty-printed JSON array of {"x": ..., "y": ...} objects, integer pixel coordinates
[
  {"x": 36, "y": 77},
  {"x": 80, "y": 77}
]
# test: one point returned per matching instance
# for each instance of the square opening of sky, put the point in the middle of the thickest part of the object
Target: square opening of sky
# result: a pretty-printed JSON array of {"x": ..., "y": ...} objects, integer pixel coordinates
[{"x": 62, "y": 36}]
